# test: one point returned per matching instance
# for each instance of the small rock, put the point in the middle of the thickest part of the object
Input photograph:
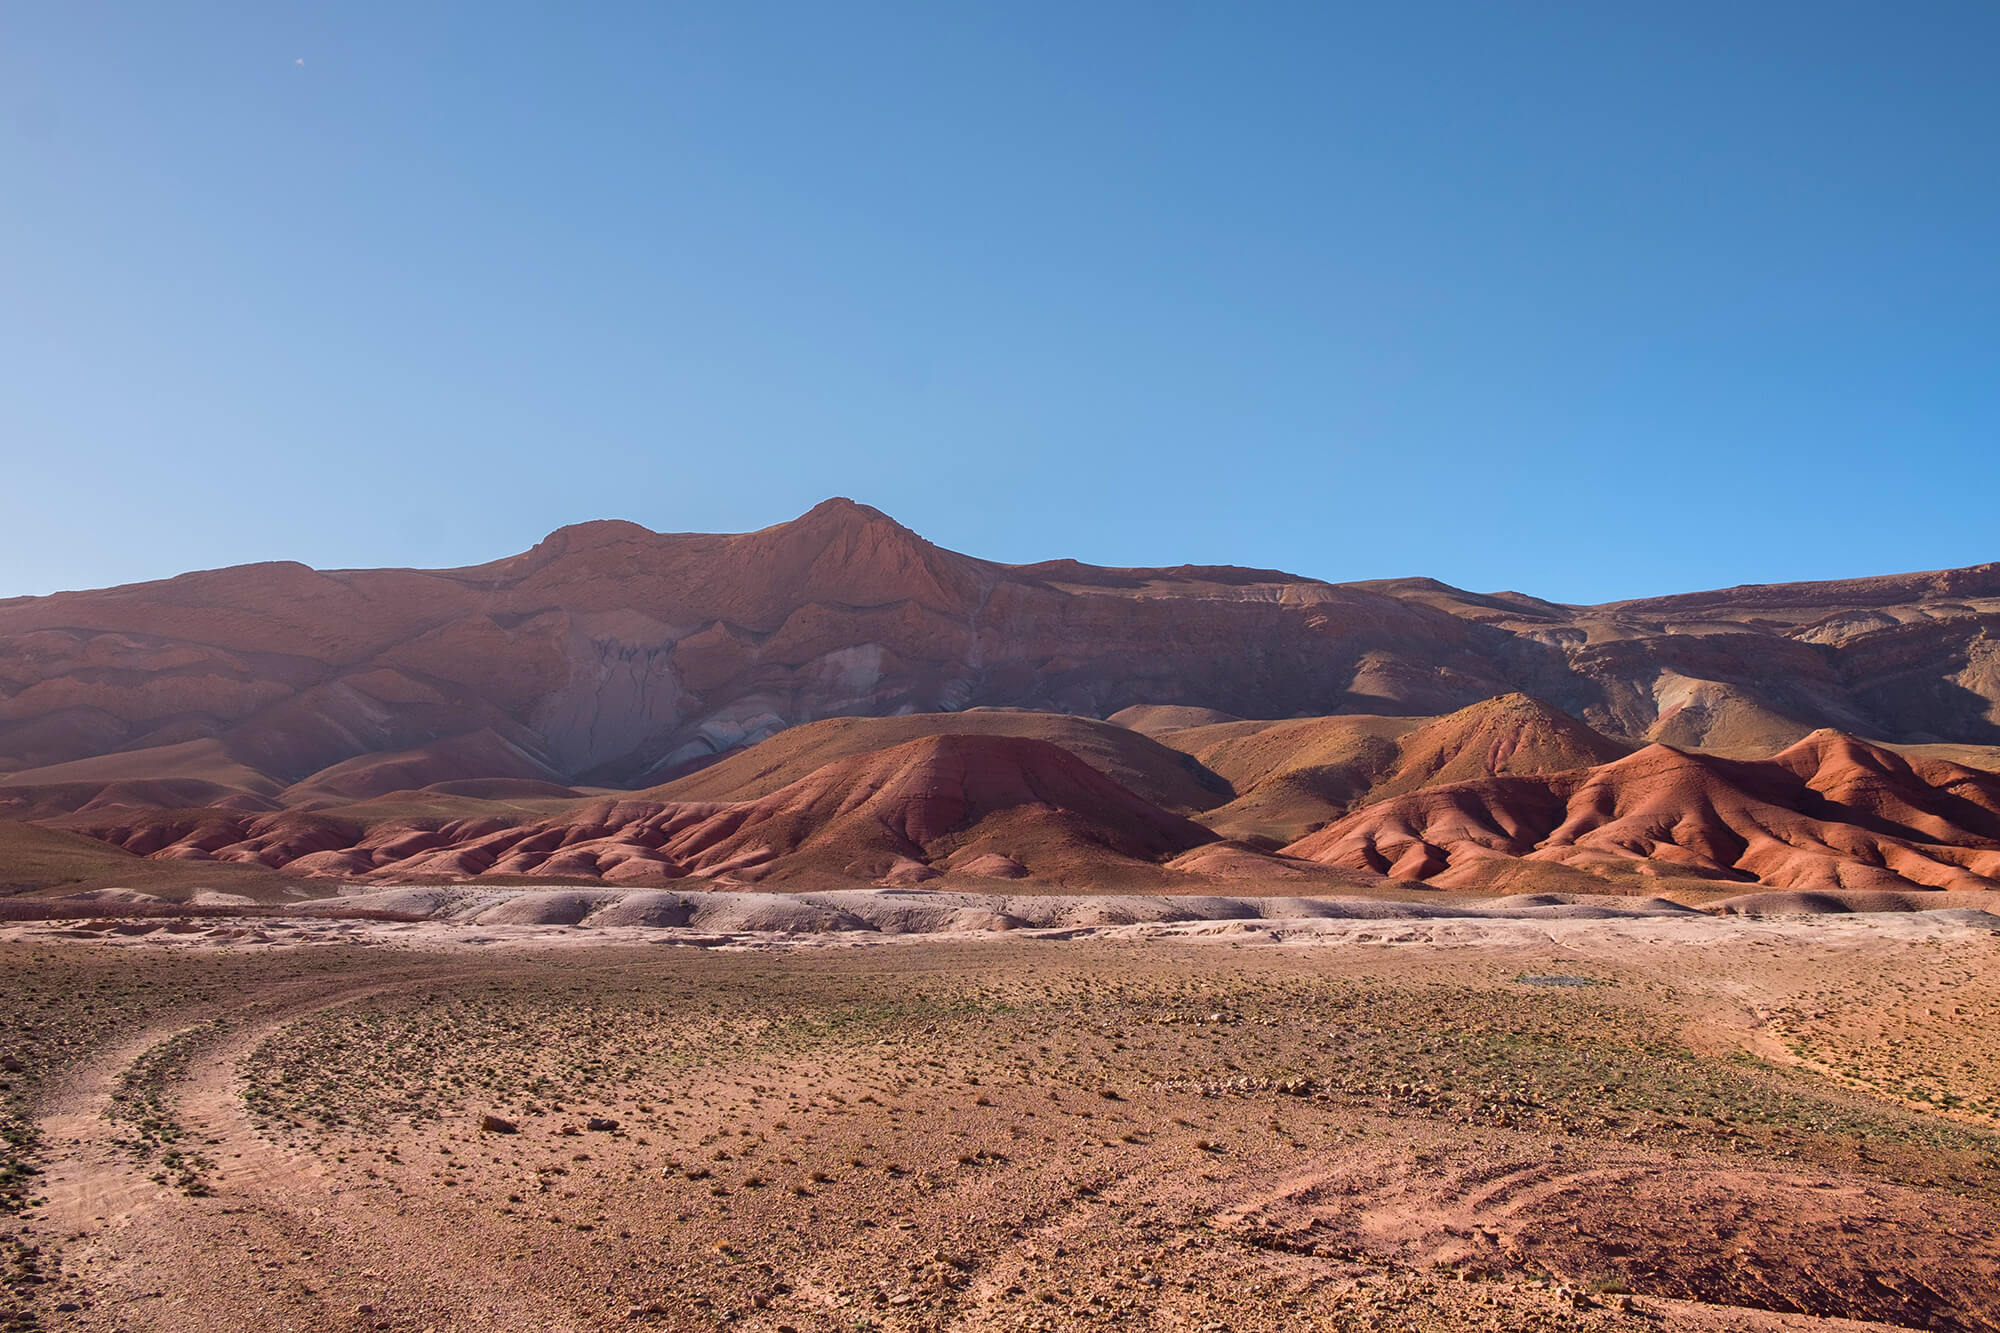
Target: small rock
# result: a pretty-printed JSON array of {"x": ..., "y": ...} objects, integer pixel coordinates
[
  {"x": 597, "y": 1124},
  {"x": 493, "y": 1124}
]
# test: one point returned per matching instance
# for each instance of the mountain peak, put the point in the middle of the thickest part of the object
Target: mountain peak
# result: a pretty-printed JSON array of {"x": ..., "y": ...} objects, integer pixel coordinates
[
  {"x": 840, "y": 516},
  {"x": 840, "y": 509},
  {"x": 597, "y": 532}
]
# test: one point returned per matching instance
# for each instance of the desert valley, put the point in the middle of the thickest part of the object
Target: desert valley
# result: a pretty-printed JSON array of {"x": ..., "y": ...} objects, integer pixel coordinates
[
  {"x": 817, "y": 929},
  {"x": 1000, "y": 668}
]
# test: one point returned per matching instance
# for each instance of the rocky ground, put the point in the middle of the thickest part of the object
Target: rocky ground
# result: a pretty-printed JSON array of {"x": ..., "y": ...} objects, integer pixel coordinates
[{"x": 1646, "y": 1123}]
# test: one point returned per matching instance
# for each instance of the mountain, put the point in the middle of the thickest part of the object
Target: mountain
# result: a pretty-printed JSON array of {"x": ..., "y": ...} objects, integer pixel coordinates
[
  {"x": 984, "y": 805},
  {"x": 612, "y": 655},
  {"x": 344, "y": 722}
]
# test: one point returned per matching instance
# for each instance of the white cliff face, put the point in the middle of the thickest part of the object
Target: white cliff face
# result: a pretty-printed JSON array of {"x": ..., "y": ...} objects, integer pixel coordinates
[
  {"x": 738, "y": 726},
  {"x": 1981, "y": 677},
  {"x": 626, "y": 707},
  {"x": 847, "y": 676},
  {"x": 621, "y": 695}
]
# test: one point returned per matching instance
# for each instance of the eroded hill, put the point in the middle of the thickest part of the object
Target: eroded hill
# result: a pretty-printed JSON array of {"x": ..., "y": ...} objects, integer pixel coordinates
[
  {"x": 610, "y": 655},
  {"x": 795, "y": 705}
]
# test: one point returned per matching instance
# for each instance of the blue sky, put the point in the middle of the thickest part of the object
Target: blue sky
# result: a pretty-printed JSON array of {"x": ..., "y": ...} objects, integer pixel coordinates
[{"x": 1591, "y": 300}]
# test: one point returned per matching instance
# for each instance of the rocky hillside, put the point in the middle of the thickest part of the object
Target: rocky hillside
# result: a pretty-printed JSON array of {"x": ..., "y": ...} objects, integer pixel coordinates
[
  {"x": 1830, "y": 814},
  {"x": 612, "y": 656},
  {"x": 836, "y": 701}
]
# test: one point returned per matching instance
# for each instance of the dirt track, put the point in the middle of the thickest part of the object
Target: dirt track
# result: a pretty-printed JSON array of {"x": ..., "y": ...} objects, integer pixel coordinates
[{"x": 1167, "y": 1133}]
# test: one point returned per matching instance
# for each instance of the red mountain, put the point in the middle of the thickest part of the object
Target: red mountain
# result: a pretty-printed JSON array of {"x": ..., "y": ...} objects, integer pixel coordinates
[
  {"x": 985, "y": 805},
  {"x": 1828, "y": 814},
  {"x": 460, "y": 721}
]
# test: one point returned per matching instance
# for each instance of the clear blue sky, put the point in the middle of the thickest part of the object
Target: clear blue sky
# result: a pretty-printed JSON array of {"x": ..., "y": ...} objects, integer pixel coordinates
[{"x": 1592, "y": 300}]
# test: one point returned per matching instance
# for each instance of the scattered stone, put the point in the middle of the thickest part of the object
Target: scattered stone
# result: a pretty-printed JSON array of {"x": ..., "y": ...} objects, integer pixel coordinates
[
  {"x": 597, "y": 1124},
  {"x": 493, "y": 1124}
]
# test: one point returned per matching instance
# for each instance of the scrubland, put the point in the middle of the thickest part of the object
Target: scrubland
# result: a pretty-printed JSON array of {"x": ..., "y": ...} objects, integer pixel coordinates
[{"x": 1732, "y": 1124}]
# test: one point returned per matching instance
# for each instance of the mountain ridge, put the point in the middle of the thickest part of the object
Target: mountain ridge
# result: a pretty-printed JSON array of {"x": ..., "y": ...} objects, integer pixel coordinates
[{"x": 610, "y": 656}]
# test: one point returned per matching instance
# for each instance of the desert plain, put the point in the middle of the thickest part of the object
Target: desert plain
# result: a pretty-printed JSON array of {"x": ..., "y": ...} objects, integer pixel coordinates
[{"x": 1535, "y": 1115}]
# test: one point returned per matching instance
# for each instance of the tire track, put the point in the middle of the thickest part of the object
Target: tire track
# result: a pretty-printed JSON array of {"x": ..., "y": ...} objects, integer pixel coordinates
[{"x": 133, "y": 1241}]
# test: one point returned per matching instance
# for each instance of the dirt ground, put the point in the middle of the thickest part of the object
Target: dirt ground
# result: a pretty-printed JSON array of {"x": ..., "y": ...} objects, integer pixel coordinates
[{"x": 1582, "y": 1124}]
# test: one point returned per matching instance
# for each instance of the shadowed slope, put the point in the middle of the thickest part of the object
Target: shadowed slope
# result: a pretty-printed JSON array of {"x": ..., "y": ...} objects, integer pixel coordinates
[
  {"x": 465, "y": 761},
  {"x": 1295, "y": 775}
]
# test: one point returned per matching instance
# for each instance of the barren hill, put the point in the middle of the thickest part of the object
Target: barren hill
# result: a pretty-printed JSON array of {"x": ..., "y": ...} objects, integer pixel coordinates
[
  {"x": 1829, "y": 814},
  {"x": 613, "y": 655},
  {"x": 1161, "y": 774},
  {"x": 984, "y": 805},
  {"x": 347, "y": 722},
  {"x": 1293, "y": 776}
]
